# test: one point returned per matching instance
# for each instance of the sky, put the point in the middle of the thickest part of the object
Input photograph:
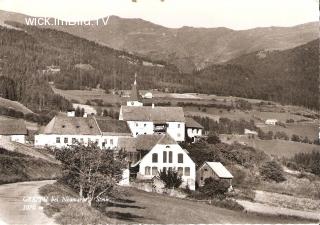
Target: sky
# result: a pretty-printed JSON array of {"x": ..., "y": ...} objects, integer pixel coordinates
[{"x": 234, "y": 14}]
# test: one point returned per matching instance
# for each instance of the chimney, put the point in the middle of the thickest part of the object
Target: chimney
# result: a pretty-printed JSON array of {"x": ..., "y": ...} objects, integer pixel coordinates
[{"x": 153, "y": 105}]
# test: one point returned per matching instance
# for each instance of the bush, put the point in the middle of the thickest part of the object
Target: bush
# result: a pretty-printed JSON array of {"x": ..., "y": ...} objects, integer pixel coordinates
[
  {"x": 215, "y": 188},
  {"x": 171, "y": 178},
  {"x": 213, "y": 139},
  {"x": 272, "y": 171},
  {"x": 227, "y": 204}
]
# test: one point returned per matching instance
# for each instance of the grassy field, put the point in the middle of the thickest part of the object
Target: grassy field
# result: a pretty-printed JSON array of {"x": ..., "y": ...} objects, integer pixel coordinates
[
  {"x": 278, "y": 148},
  {"x": 14, "y": 105},
  {"x": 309, "y": 130},
  {"x": 151, "y": 208},
  {"x": 17, "y": 167},
  {"x": 82, "y": 96}
]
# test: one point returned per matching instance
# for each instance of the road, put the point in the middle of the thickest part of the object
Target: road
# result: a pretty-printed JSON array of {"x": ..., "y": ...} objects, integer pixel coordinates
[{"x": 19, "y": 204}]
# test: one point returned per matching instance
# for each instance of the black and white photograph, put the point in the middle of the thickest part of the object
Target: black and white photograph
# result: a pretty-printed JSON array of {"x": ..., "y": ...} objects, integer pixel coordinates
[{"x": 159, "y": 112}]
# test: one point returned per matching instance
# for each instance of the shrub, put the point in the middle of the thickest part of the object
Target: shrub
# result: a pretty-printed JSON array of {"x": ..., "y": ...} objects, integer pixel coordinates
[
  {"x": 295, "y": 138},
  {"x": 272, "y": 171},
  {"x": 227, "y": 204},
  {"x": 215, "y": 188},
  {"x": 171, "y": 178},
  {"x": 213, "y": 139}
]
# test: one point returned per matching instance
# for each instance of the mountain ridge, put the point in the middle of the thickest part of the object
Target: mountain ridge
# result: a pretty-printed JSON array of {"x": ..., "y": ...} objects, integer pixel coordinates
[{"x": 188, "y": 48}]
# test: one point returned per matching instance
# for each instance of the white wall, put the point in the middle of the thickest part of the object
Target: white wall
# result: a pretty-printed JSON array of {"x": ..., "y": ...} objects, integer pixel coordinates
[
  {"x": 144, "y": 127},
  {"x": 194, "y": 132},
  {"x": 140, "y": 127},
  {"x": 43, "y": 140},
  {"x": 18, "y": 138},
  {"x": 176, "y": 149},
  {"x": 176, "y": 132}
]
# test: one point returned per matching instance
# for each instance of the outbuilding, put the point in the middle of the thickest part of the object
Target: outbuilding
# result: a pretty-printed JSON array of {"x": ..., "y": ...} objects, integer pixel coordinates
[
  {"x": 214, "y": 170},
  {"x": 13, "y": 130}
]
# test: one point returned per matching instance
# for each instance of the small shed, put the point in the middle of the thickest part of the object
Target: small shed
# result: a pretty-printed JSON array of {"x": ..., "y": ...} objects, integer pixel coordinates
[
  {"x": 14, "y": 130},
  {"x": 215, "y": 170},
  {"x": 271, "y": 122}
]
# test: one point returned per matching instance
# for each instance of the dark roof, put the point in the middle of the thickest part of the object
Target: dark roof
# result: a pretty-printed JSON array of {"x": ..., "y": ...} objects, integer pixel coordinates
[
  {"x": 72, "y": 126},
  {"x": 155, "y": 114},
  {"x": 147, "y": 142},
  {"x": 112, "y": 126},
  {"x": 190, "y": 122},
  {"x": 127, "y": 143},
  {"x": 13, "y": 127}
]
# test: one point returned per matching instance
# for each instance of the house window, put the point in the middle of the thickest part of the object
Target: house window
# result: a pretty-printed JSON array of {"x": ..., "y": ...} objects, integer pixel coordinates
[
  {"x": 103, "y": 144},
  {"x": 164, "y": 169},
  {"x": 179, "y": 125},
  {"x": 106, "y": 141},
  {"x": 164, "y": 156},
  {"x": 167, "y": 146},
  {"x": 154, "y": 157},
  {"x": 66, "y": 140},
  {"x": 179, "y": 135},
  {"x": 145, "y": 125},
  {"x": 170, "y": 157},
  {"x": 137, "y": 133},
  {"x": 201, "y": 178},
  {"x": 187, "y": 171},
  {"x": 81, "y": 140},
  {"x": 147, "y": 170},
  {"x": 89, "y": 140},
  {"x": 180, "y": 171},
  {"x": 137, "y": 124},
  {"x": 74, "y": 140},
  {"x": 180, "y": 158},
  {"x": 154, "y": 170},
  {"x": 97, "y": 141},
  {"x": 111, "y": 141},
  {"x": 58, "y": 140}
]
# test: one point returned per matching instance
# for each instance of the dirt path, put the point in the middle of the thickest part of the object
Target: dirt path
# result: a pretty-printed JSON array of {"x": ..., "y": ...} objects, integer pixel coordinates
[{"x": 17, "y": 208}]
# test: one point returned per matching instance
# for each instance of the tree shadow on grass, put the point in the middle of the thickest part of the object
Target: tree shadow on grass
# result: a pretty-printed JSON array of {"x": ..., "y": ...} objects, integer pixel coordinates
[
  {"x": 115, "y": 204},
  {"x": 123, "y": 216}
]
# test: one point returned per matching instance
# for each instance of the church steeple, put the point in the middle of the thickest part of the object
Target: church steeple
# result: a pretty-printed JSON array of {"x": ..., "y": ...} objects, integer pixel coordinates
[{"x": 135, "y": 98}]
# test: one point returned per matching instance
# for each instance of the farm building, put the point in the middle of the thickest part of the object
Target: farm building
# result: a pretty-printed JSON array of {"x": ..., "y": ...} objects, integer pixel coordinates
[
  {"x": 271, "y": 122},
  {"x": 13, "y": 130},
  {"x": 149, "y": 154},
  {"x": 250, "y": 133},
  {"x": 63, "y": 131},
  {"x": 194, "y": 130},
  {"x": 215, "y": 170},
  {"x": 147, "y": 120}
]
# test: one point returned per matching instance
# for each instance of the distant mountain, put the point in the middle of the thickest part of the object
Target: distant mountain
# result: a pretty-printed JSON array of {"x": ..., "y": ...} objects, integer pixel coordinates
[
  {"x": 187, "y": 47},
  {"x": 288, "y": 76}
]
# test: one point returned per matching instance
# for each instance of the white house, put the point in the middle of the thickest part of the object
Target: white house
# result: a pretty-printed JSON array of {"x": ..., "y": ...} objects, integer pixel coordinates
[
  {"x": 214, "y": 170},
  {"x": 153, "y": 119},
  {"x": 13, "y": 130},
  {"x": 271, "y": 122},
  {"x": 164, "y": 154},
  {"x": 194, "y": 130},
  {"x": 63, "y": 131}
]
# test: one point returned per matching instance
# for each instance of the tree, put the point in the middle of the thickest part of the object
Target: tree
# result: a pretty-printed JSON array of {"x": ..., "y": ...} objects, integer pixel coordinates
[
  {"x": 295, "y": 138},
  {"x": 89, "y": 170},
  {"x": 271, "y": 170},
  {"x": 171, "y": 178}
]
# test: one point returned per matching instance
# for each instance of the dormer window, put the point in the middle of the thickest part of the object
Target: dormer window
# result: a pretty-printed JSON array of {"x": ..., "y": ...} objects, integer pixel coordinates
[
  {"x": 78, "y": 126},
  {"x": 63, "y": 126},
  {"x": 91, "y": 127}
]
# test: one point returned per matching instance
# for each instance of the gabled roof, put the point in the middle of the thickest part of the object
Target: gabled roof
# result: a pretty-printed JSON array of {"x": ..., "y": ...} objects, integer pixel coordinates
[
  {"x": 127, "y": 143},
  {"x": 13, "y": 127},
  {"x": 64, "y": 125},
  {"x": 147, "y": 142},
  {"x": 219, "y": 169},
  {"x": 190, "y": 122},
  {"x": 154, "y": 114},
  {"x": 109, "y": 126}
]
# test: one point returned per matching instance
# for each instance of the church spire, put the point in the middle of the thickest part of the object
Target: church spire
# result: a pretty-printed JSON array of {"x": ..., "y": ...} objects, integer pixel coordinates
[{"x": 135, "y": 98}]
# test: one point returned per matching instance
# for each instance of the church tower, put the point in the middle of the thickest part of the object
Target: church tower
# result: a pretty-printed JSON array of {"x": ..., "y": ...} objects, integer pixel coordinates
[{"x": 135, "y": 97}]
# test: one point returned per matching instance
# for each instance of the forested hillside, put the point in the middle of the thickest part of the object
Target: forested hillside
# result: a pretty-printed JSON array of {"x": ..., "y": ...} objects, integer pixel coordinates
[{"x": 288, "y": 77}]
